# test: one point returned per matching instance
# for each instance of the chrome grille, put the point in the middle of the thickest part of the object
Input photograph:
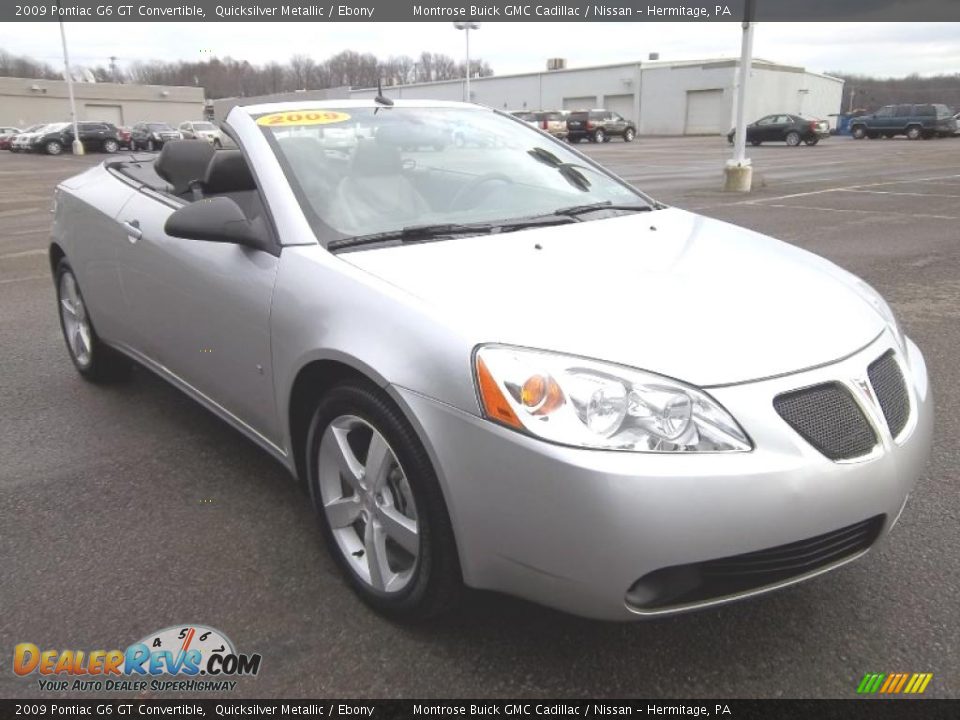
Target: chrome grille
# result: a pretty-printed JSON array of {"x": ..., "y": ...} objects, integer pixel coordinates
[
  {"x": 891, "y": 391},
  {"x": 828, "y": 417}
]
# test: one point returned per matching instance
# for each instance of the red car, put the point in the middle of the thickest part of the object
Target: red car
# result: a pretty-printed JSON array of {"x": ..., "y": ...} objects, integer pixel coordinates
[
  {"x": 123, "y": 135},
  {"x": 6, "y": 135}
]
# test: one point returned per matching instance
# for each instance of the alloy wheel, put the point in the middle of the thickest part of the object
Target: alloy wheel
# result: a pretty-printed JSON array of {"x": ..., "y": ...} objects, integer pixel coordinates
[
  {"x": 793, "y": 139},
  {"x": 76, "y": 323},
  {"x": 368, "y": 504}
]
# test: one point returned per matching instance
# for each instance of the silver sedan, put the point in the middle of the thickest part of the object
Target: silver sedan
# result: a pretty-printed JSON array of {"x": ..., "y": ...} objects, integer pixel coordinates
[{"x": 495, "y": 364}]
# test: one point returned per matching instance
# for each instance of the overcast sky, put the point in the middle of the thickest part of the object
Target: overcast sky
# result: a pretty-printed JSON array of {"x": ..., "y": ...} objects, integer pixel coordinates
[{"x": 886, "y": 49}]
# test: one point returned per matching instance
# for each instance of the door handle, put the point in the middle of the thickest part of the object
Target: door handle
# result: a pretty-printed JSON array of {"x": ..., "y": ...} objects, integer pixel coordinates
[{"x": 132, "y": 227}]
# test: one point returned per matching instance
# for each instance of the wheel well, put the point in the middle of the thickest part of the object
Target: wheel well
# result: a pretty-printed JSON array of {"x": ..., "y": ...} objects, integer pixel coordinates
[
  {"x": 56, "y": 254},
  {"x": 313, "y": 380}
]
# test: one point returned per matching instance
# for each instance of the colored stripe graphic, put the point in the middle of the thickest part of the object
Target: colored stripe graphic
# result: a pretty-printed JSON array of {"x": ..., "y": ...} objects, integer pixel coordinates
[{"x": 894, "y": 683}]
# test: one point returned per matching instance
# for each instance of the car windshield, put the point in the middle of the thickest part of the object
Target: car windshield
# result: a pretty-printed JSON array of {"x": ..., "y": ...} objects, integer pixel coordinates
[
  {"x": 367, "y": 171},
  {"x": 55, "y": 127},
  {"x": 203, "y": 126}
]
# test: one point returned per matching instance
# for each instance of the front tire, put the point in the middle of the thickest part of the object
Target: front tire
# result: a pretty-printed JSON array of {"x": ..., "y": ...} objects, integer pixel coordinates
[
  {"x": 600, "y": 136},
  {"x": 111, "y": 146},
  {"x": 628, "y": 135},
  {"x": 914, "y": 133},
  {"x": 53, "y": 148},
  {"x": 380, "y": 507},
  {"x": 94, "y": 360},
  {"x": 859, "y": 132}
]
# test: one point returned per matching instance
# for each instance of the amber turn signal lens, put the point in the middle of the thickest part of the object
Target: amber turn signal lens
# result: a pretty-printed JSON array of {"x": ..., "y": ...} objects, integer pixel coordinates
[
  {"x": 494, "y": 403},
  {"x": 541, "y": 395}
]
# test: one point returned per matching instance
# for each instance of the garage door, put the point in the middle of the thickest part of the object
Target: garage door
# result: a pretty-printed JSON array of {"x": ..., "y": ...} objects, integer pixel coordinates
[
  {"x": 704, "y": 112},
  {"x": 580, "y": 103},
  {"x": 622, "y": 104},
  {"x": 104, "y": 113}
]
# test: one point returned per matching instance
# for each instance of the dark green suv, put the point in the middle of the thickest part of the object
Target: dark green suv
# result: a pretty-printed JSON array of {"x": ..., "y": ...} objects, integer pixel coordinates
[{"x": 915, "y": 121}]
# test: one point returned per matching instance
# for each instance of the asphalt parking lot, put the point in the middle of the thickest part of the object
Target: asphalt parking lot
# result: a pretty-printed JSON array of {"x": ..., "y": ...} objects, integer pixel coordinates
[{"x": 128, "y": 509}]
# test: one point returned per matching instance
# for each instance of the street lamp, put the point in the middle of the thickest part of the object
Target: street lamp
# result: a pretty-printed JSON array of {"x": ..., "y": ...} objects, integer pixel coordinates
[
  {"x": 738, "y": 172},
  {"x": 467, "y": 27},
  {"x": 77, "y": 145}
]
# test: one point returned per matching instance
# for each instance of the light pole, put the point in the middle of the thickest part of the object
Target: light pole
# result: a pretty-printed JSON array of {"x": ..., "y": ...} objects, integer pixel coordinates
[
  {"x": 77, "y": 145},
  {"x": 739, "y": 172},
  {"x": 467, "y": 27}
]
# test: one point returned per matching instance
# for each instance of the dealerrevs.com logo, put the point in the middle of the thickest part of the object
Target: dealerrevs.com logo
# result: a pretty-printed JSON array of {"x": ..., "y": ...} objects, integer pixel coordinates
[{"x": 196, "y": 657}]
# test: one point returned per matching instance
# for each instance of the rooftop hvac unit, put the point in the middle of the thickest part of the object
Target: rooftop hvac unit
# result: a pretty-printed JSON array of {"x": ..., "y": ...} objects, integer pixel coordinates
[
  {"x": 653, "y": 56},
  {"x": 556, "y": 64}
]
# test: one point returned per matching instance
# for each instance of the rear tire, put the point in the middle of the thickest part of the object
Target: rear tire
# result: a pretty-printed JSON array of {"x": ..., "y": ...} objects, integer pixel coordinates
[
  {"x": 859, "y": 132},
  {"x": 599, "y": 136},
  {"x": 374, "y": 557},
  {"x": 811, "y": 141},
  {"x": 94, "y": 360},
  {"x": 628, "y": 135},
  {"x": 914, "y": 132},
  {"x": 793, "y": 138}
]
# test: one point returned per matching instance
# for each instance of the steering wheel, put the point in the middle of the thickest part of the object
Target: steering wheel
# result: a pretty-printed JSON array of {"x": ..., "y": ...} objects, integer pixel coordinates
[{"x": 470, "y": 189}]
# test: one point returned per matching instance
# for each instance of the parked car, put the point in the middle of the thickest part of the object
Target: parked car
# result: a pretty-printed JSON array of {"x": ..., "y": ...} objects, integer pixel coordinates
[
  {"x": 6, "y": 135},
  {"x": 125, "y": 137},
  {"x": 916, "y": 121},
  {"x": 94, "y": 135},
  {"x": 152, "y": 135},
  {"x": 553, "y": 122},
  {"x": 791, "y": 129},
  {"x": 483, "y": 367},
  {"x": 598, "y": 126},
  {"x": 21, "y": 142},
  {"x": 201, "y": 130},
  {"x": 527, "y": 116}
]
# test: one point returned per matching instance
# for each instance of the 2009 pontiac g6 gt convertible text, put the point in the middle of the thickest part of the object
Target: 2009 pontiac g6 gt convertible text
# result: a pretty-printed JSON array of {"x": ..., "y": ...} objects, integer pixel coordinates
[{"x": 493, "y": 363}]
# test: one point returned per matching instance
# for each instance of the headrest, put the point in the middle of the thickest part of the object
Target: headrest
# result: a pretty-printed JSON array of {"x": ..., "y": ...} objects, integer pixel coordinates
[
  {"x": 182, "y": 162},
  {"x": 228, "y": 172},
  {"x": 372, "y": 158}
]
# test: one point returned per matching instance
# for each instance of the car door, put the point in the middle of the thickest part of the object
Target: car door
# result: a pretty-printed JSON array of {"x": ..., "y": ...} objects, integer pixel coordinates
[
  {"x": 201, "y": 310},
  {"x": 617, "y": 124},
  {"x": 763, "y": 130}
]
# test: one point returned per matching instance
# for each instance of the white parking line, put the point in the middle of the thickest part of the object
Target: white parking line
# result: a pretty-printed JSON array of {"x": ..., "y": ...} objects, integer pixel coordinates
[
  {"x": 893, "y": 192},
  {"x": 25, "y": 279},
  {"x": 862, "y": 212},
  {"x": 23, "y": 253}
]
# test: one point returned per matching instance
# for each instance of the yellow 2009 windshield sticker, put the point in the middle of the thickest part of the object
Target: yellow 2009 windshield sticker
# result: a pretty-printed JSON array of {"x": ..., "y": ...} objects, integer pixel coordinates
[{"x": 303, "y": 117}]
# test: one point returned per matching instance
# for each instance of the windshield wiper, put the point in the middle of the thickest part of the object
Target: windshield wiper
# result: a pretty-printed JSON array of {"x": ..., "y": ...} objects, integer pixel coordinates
[
  {"x": 575, "y": 210},
  {"x": 413, "y": 233}
]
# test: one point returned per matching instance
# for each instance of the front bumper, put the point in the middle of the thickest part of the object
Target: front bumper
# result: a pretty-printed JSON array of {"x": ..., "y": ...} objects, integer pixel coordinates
[{"x": 575, "y": 529}]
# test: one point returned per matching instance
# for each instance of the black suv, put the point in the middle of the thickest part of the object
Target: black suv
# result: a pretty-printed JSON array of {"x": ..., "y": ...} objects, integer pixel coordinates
[
  {"x": 914, "y": 121},
  {"x": 94, "y": 136},
  {"x": 152, "y": 135},
  {"x": 598, "y": 126}
]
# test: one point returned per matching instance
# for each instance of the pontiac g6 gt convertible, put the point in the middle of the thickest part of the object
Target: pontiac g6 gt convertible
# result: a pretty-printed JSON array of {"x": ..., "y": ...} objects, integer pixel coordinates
[{"x": 497, "y": 365}]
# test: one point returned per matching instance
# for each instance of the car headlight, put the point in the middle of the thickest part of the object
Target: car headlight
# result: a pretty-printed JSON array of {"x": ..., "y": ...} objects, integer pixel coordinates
[
  {"x": 883, "y": 308},
  {"x": 592, "y": 404}
]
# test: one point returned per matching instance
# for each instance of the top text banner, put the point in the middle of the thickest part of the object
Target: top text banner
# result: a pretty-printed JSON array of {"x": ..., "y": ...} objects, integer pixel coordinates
[{"x": 492, "y": 10}]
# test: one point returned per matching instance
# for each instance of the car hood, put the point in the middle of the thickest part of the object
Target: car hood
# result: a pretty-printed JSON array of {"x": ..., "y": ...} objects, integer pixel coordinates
[{"x": 667, "y": 291}]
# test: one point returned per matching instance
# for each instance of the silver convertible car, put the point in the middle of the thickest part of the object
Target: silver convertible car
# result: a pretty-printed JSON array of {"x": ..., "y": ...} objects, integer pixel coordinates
[{"x": 497, "y": 365}]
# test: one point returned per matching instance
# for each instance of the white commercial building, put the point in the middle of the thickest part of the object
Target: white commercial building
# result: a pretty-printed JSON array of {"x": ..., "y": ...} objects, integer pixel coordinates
[{"x": 693, "y": 97}]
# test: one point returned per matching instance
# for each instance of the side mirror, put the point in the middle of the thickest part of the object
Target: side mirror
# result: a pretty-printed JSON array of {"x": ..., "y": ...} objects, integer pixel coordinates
[{"x": 217, "y": 219}]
